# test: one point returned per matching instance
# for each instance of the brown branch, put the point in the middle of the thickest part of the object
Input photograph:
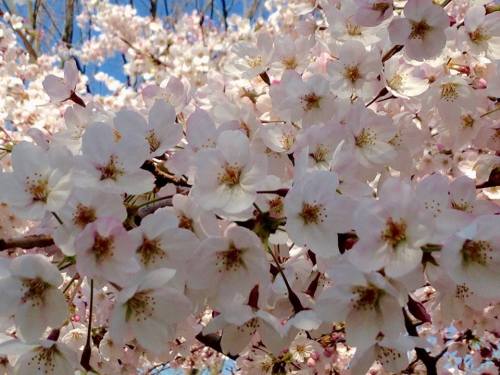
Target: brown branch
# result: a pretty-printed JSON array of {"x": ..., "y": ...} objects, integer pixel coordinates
[
  {"x": 27, "y": 242},
  {"x": 29, "y": 48},
  {"x": 68, "y": 27},
  {"x": 213, "y": 341}
]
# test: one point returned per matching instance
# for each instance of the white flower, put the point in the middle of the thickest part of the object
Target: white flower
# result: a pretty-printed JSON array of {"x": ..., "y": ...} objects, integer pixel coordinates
[
  {"x": 228, "y": 177},
  {"x": 107, "y": 162},
  {"x": 40, "y": 180},
  {"x": 481, "y": 32},
  {"x": 252, "y": 59},
  {"x": 391, "y": 231},
  {"x": 159, "y": 242},
  {"x": 366, "y": 302},
  {"x": 148, "y": 311},
  {"x": 355, "y": 72},
  {"x": 44, "y": 357},
  {"x": 421, "y": 30},
  {"x": 231, "y": 264},
  {"x": 83, "y": 207},
  {"x": 316, "y": 213},
  {"x": 104, "y": 250},
  {"x": 402, "y": 79},
  {"x": 31, "y": 293},
  {"x": 472, "y": 256},
  {"x": 60, "y": 89}
]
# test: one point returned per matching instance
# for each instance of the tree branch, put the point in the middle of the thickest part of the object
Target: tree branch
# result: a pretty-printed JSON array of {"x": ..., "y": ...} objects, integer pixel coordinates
[{"x": 27, "y": 242}]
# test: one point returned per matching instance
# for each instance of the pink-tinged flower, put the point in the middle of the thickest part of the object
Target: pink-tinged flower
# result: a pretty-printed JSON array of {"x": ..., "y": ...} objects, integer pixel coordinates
[
  {"x": 60, "y": 89},
  {"x": 289, "y": 53},
  {"x": 40, "y": 180},
  {"x": 310, "y": 101},
  {"x": 316, "y": 213},
  {"x": 105, "y": 250},
  {"x": 252, "y": 59},
  {"x": 369, "y": 137},
  {"x": 173, "y": 91},
  {"x": 373, "y": 12},
  {"x": 472, "y": 256},
  {"x": 391, "y": 231},
  {"x": 402, "y": 79},
  {"x": 201, "y": 134},
  {"x": 367, "y": 303},
  {"x": 30, "y": 292},
  {"x": 161, "y": 131},
  {"x": 194, "y": 218},
  {"x": 481, "y": 32},
  {"x": 148, "y": 311},
  {"x": 421, "y": 30},
  {"x": 84, "y": 206},
  {"x": 160, "y": 242},
  {"x": 356, "y": 71},
  {"x": 43, "y": 357},
  {"x": 225, "y": 266},
  {"x": 108, "y": 162},
  {"x": 391, "y": 353},
  {"x": 228, "y": 177}
]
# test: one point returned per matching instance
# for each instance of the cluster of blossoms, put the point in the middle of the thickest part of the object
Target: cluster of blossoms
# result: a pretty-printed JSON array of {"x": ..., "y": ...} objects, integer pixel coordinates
[{"x": 322, "y": 199}]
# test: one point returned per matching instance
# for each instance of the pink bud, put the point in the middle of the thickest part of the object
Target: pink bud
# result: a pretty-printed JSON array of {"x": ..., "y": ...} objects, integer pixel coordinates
[
  {"x": 311, "y": 362},
  {"x": 479, "y": 83},
  {"x": 315, "y": 356}
]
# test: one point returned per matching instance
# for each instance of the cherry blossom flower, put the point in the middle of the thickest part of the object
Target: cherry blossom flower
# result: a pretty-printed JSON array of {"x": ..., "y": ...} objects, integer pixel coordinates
[
  {"x": 228, "y": 176},
  {"x": 31, "y": 293},
  {"x": 316, "y": 214},
  {"x": 104, "y": 250},
  {"x": 40, "y": 180},
  {"x": 471, "y": 256},
  {"x": 60, "y": 89},
  {"x": 148, "y": 311},
  {"x": 481, "y": 32},
  {"x": 106, "y": 163},
  {"x": 355, "y": 72},
  {"x": 421, "y": 30}
]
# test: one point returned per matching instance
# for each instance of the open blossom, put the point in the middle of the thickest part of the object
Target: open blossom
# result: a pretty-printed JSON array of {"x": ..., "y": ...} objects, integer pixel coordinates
[
  {"x": 228, "y": 177},
  {"x": 40, "y": 180},
  {"x": 316, "y": 213},
  {"x": 391, "y": 231},
  {"x": 107, "y": 163},
  {"x": 421, "y": 30},
  {"x": 30, "y": 292},
  {"x": 43, "y": 357},
  {"x": 481, "y": 32},
  {"x": 104, "y": 250},
  {"x": 253, "y": 59},
  {"x": 230, "y": 264},
  {"x": 366, "y": 302},
  {"x": 310, "y": 100},
  {"x": 373, "y": 12},
  {"x": 84, "y": 206},
  {"x": 148, "y": 311},
  {"x": 60, "y": 89},
  {"x": 355, "y": 72},
  {"x": 472, "y": 256}
]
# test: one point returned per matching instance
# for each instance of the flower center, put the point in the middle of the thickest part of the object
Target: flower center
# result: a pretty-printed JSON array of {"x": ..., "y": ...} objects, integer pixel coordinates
[
  {"x": 111, "y": 170},
  {"x": 449, "y": 91},
  {"x": 186, "y": 223},
  {"x": 312, "y": 213},
  {"x": 154, "y": 142},
  {"x": 320, "y": 154},
  {"x": 396, "y": 82},
  {"x": 352, "y": 73},
  {"x": 467, "y": 121},
  {"x": 419, "y": 29},
  {"x": 150, "y": 251},
  {"x": 365, "y": 138},
  {"x": 230, "y": 260},
  {"x": 476, "y": 252},
  {"x": 310, "y": 101},
  {"x": 290, "y": 63},
  {"x": 367, "y": 298},
  {"x": 103, "y": 247},
  {"x": 44, "y": 357},
  {"x": 254, "y": 62},
  {"x": 395, "y": 232},
  {"x": 34, "y": 291},
  {"x": 478, "y": 36},
  {"x": 230, "y": 176},
  {"x": 352, "y": 29},
  {"x": 141, "y": 306},
  {"x": 462, "y": 292},
  {"x": 83, "y": 215},
  {"x": 38, "y": 189}
]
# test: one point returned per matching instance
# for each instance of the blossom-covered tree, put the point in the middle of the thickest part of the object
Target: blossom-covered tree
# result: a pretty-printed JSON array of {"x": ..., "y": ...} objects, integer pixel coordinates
[{"x": 315, "y": 191}]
